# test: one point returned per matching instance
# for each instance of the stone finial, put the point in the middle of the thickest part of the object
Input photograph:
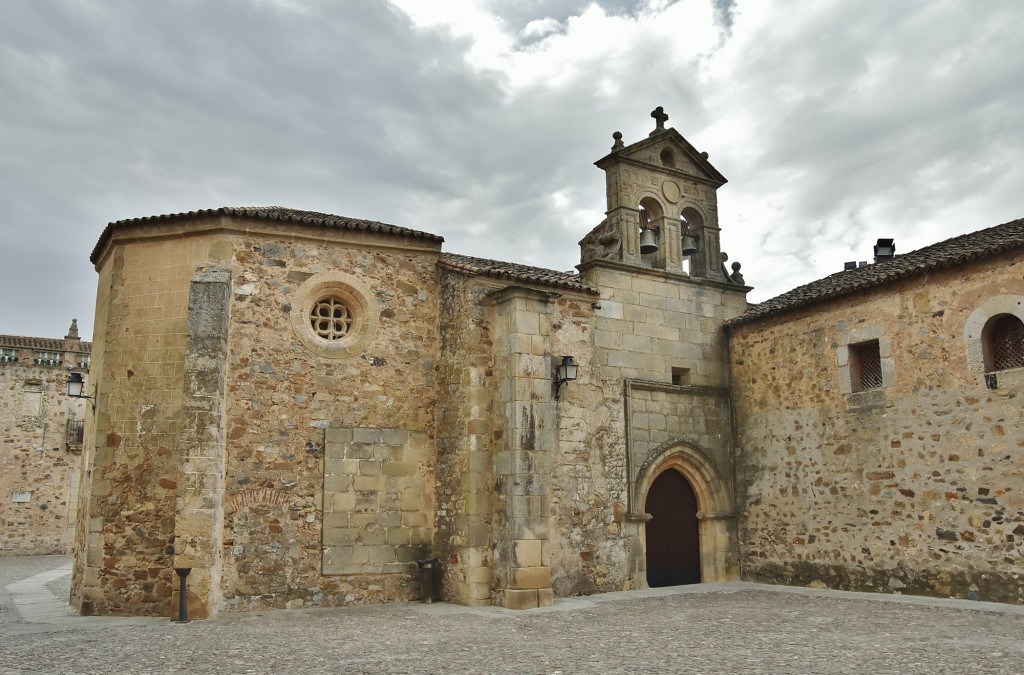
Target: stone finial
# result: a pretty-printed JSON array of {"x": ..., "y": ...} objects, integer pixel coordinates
[
  {"x": 736, "y": 277},
  {"x": 73, "y": 331},
  {"x": 704, "y": 155},
  {"x": 659, "y": 118},
  {"x": 618, "y": 144}
]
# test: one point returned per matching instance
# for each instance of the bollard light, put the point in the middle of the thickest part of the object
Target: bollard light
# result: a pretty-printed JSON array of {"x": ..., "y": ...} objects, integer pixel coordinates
[{"x": 182, "y": 572}]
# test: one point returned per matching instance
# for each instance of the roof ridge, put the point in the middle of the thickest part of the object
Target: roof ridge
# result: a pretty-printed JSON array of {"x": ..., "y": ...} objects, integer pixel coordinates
[
  {"x": 34, "y": 342},
  {"x": 945, "y": 253},
  {"x": 517, "y": 271},
  {"x": 278, "y": 213}
]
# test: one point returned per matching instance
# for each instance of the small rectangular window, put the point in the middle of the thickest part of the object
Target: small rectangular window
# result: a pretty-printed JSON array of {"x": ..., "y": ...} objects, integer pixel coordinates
[
  {"x": 865, "y": 366},
  {"x": 680, "y": 376},
  {"x": 7, "y": 355}
]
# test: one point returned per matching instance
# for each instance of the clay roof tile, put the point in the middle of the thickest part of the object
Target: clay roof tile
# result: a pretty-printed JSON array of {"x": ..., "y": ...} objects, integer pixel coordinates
[
  {"x": 948, "y": 253},
  {"x": 275, "y": 213},
  {"x": 514, "y": 272}
]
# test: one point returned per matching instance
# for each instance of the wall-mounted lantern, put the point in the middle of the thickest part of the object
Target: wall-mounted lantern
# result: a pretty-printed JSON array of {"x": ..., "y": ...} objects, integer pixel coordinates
[
  {"x": 565, "y": 372},
  {"x": 76, "y": 388}
]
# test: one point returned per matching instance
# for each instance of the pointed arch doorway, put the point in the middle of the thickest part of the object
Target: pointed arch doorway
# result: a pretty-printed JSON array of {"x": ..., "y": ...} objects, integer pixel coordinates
[{"x": 673, "y": 532}]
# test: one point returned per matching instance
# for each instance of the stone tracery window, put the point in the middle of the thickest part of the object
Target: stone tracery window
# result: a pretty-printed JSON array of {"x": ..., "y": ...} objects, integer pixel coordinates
[
  {"x": 334, "y": 314},
  {"x": 330, "y": 318}
]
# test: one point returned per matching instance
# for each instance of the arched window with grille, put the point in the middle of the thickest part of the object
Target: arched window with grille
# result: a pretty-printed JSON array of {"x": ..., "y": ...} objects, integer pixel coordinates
[{"x": 1003, "y": 343}]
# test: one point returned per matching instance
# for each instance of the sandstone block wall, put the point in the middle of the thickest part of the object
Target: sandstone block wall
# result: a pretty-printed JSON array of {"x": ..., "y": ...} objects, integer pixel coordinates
[
  {"x": 466, "y": 433},
  {"x": 125, "y": 544},
  {"x": 531, "y": 490},
  {"x": 376, "y": 517},
  {"x": 199, "y": 506},
  {"x": 646, "y": 327},
  {"x": 524, "y": 402},
  {"x": 915, "y": 487}
]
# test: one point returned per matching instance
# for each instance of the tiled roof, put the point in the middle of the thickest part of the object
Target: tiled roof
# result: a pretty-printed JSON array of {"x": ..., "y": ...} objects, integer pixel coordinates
[
  {"x": 946, "y": 253},
  {"x": 42, "y": 344},
  {"x": 275, "y": 213},
  {"x": 514, "y": 272}
]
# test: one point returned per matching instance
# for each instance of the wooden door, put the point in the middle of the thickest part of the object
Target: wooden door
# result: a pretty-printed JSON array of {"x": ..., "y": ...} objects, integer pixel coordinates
[{"x": 673, "y": 538}]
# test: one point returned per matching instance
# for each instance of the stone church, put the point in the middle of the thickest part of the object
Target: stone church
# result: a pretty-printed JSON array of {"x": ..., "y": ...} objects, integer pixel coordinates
[{"x": 299, "y": 406}]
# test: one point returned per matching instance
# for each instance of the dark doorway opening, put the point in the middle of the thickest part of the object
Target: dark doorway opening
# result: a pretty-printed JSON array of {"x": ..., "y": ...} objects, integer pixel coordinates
[{"x": 673, "y": 537}]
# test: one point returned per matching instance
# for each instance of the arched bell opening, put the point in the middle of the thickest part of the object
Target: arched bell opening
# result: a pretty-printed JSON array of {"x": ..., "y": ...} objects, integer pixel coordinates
[
  {"x": 691, "y": 223},
  {"x": 651, "y": 220}
]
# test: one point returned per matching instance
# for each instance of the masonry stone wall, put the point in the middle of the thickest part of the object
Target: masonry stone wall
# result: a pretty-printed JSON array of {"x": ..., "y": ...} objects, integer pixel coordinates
[
  {"x": 635, "y": 332},
  {"x": 125, "y": 545},
  {"x": 330, "y": 466},
  {"x": 38, "y": 465},
  {"x": 466, "y": 433},
  {"x": 913, "y": 487},
  {"x": 592, "y": 549},
  {"x": 87, "y": 560},
  {"x": 202, "y": 448},
  {"x": 313, "y": 432}
]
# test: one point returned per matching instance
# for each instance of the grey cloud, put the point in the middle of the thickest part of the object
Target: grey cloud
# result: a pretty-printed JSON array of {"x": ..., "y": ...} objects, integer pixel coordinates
[
  {"x": 128, "y": 109},
  {"x": 871, "y": 155},
  {"x": 724, "y": 13}
]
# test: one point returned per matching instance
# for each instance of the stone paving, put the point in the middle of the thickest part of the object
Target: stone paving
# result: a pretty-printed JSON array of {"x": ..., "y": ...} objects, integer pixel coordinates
[{"x": 721, "y": 628}]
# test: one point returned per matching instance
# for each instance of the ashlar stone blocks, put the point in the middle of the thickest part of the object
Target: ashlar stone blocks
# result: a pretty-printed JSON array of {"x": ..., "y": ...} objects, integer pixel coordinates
[{"x": 375, "y": 505}]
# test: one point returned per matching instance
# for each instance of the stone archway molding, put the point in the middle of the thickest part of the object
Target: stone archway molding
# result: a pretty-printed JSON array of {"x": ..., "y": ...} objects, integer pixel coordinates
[
  {"x": 714, "y": 498},
  {"x": 716, "y": 515}
]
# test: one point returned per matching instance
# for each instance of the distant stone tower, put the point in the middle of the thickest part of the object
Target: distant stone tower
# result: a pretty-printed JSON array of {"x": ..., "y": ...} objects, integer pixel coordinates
[{"x": 664, "y": 184}]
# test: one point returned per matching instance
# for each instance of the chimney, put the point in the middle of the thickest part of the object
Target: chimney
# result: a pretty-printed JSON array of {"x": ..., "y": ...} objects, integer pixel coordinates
[{"x": 885, "y": 249}]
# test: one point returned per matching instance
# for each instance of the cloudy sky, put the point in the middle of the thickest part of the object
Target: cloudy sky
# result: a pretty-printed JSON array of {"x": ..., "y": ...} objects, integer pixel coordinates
[{"x": 479, "y": 120}]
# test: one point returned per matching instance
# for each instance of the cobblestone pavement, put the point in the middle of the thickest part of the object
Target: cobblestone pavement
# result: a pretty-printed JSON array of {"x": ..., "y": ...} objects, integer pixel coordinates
[{"x": 721, "y": 628}]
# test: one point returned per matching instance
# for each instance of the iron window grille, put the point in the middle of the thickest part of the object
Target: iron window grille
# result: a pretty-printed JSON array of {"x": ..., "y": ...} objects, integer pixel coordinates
[
  {"x": 75, "y": 434},
  {"x": 865, "y": 366},
  {"x": 1006, "y": 343}
]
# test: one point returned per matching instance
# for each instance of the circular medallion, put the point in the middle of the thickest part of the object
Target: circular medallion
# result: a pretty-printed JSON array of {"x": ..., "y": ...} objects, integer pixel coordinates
[{"x": 670, "y": 189}]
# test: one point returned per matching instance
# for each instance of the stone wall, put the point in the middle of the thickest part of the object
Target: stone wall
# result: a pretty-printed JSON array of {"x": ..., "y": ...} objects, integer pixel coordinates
[
  {"x": 592, "y": 549},
  {"x": 466, "y": 433},
  {"x": 912, "y": 487},
  {"x": 202, "y": 451},
  {"x": 125, "y": 544},
  {"x": 38, "y": 466},
  {"x": 330, "y": 468},
  {"x": 219, "y": 464},
  {"x": 625, "y": 416}
]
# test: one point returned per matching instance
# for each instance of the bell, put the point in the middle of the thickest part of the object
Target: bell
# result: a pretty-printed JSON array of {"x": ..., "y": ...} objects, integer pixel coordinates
[
  {"x": 689, "y": 244},
  {"x": 648, "y": 244}
]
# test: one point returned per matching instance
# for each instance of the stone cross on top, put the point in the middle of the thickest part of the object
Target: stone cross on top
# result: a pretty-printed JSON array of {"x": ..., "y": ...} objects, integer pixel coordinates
[{"x": 660, "y": 118}]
